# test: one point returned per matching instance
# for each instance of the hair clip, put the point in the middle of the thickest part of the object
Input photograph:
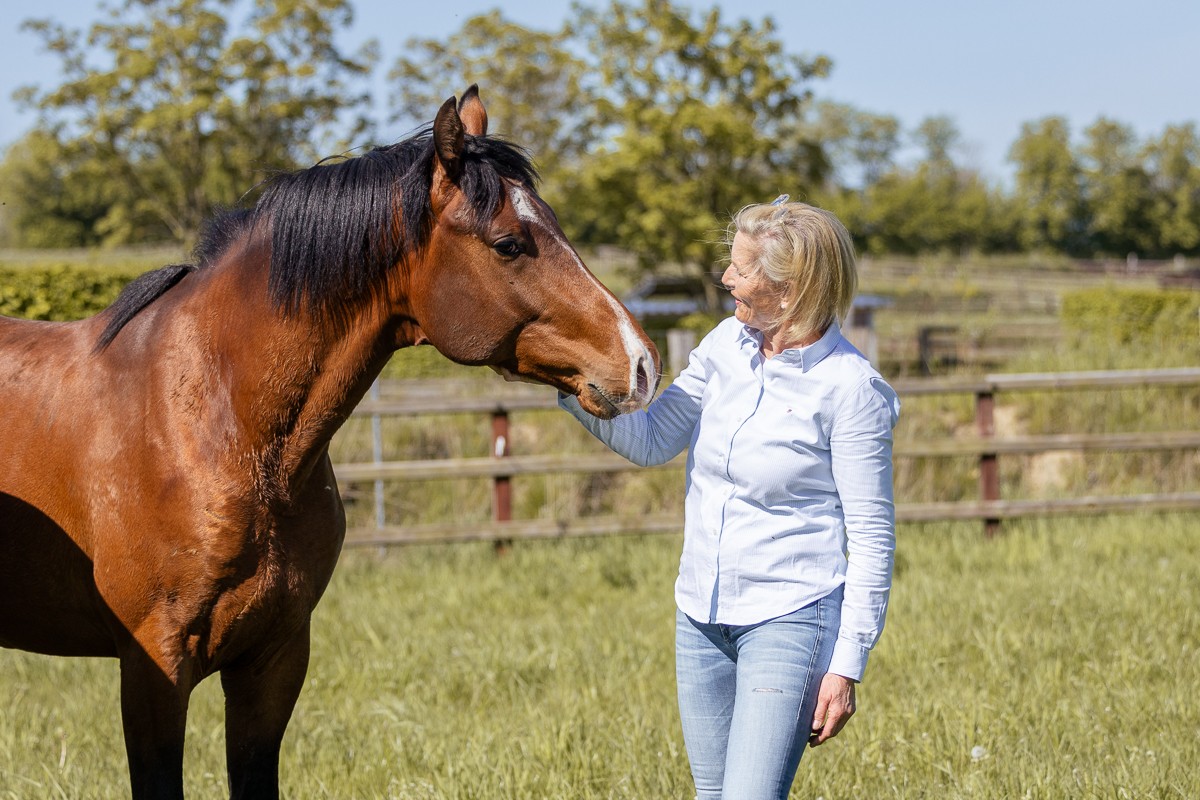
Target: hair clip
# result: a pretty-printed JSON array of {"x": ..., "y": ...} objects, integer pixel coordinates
[{"x": 782, "y": 212}]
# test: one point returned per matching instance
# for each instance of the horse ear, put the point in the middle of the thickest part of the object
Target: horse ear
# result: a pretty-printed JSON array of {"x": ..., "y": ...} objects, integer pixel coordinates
[
  {"x": 448, "y": 139},
  {"x": 473, "y": 114}
]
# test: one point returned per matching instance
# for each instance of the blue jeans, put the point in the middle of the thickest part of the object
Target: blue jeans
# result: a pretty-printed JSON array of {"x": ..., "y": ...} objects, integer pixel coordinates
[{"x": 747, "y": 694}]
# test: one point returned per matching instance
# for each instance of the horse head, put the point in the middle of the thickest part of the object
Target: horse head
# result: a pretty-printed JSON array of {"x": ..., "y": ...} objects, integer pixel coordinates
[{"x": 499, "y": 284}]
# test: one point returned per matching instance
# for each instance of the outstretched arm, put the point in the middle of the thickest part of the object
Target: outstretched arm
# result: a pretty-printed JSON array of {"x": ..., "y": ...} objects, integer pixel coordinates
[
  {"x": 664, "y": 429},
  {"x": 647, "y": 437}
]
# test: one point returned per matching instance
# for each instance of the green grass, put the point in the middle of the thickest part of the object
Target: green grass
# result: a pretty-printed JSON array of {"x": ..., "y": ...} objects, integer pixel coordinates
[
  {"x": 1065, "y": 650},
  {"x": 1063, "y": 653}
]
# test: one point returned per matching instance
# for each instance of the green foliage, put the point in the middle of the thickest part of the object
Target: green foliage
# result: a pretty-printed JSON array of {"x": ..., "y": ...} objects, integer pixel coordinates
[
  {"x": 651, "y": 123},
  {"x": 699, "y": 322},
  {"x": 1048, "y": 187},
  {"x": 938, "y": 137},
  {"x": 181, "y": 115},
  {"x": 417, "y": 363},
  {"x": 59, "y": 292},
  {"x": 56, "y": 195},
  {"x": 857, "y": 143},
  {"x": 1173, "y": 161},
  {"x": 1117, "y": 190},
  {"x": 1133, "y": 317},
  {"x": 1111, "y": 195},
  {"x": 935, "y": 207},
  {"x": 930, "y": 209},
  {"x": 530, "y": 82},
  {"x": 702, "y": 116}
]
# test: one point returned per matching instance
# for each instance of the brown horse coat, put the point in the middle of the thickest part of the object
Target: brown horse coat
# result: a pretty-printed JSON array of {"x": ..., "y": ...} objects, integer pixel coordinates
[{"x": 166, "y": 496}]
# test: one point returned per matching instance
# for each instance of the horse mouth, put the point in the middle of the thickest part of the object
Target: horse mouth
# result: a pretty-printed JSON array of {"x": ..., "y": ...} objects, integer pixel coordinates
[
  {"x": 600, "y": 403},
  {"x": 593, "y": 397}
]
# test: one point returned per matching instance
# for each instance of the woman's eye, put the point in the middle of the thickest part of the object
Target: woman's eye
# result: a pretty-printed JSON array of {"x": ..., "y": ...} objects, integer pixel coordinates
[{"x": 508, "y": 247}]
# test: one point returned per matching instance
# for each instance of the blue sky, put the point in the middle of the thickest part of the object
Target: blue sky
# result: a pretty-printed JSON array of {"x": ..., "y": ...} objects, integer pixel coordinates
[{"x": 989, "y": 66}]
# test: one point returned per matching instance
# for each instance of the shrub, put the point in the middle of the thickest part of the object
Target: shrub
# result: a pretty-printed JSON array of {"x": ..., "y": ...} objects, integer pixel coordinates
[
  {"x": 59, "y": 292},
  {"x": 1131, "y": 316}
]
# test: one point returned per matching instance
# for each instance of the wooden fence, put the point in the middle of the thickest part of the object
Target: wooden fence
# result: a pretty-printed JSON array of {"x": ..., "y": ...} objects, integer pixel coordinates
[{"x": 990, "y": 508}]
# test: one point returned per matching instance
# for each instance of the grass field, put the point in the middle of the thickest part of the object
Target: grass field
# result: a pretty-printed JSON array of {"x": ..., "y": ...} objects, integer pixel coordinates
[{"x": 1056, "y": 661}]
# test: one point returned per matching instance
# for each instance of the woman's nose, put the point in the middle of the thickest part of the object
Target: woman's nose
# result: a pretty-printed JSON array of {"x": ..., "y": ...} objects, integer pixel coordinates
[{"x": 727, "y": 276}]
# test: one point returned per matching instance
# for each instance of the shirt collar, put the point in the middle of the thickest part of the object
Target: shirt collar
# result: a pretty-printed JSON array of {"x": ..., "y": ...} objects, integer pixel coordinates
[{"x": 807, "y": 356}]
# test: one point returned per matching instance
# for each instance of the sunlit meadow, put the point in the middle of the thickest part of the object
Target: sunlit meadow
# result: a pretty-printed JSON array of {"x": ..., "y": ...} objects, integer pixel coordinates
[{"x": 1058, "y": 660}]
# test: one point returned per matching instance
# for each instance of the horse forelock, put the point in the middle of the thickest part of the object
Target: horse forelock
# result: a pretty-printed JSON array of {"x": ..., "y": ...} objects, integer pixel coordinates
[{"x": 490, "y": 165}]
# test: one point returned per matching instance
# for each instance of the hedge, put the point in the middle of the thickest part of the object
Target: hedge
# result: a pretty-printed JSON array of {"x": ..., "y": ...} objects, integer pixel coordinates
[
  {"x": 1131, "y": 316},
  {"x": 59, "y": 292},
  {"x": 62, "y": 292}
]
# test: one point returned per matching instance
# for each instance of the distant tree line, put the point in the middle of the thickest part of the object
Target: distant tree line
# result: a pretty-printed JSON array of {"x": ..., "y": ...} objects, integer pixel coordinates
[{"x": 650, "y": 122}]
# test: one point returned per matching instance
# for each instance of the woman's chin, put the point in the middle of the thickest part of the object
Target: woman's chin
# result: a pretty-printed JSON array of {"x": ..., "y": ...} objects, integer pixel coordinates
[{"x": 744, "y": 316}]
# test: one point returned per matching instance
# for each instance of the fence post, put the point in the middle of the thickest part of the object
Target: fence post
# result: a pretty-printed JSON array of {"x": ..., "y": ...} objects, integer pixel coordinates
[
  {"x": 989, "y": 466},
  {"x": 377, "y": 457},
  {"x": 501, "y": 484},
  {"x": 680, "y": 344}
]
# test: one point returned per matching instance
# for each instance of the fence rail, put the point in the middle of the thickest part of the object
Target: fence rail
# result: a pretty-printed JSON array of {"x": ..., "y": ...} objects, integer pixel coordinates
[
  {"x": 442, "y": 468},
  {"x": 673, "y": 523},
  {"x": 985, "y": 446}
]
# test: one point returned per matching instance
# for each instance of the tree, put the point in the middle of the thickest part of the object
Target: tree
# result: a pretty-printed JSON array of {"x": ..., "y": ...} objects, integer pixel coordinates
[
  {"x": 53, "y": 194},
  {"x": 1117, "y": 190},
  {"x": 185, "y": 114},
  {"x": 530, "y": 80},
  {"x": 934, "y": 206},
  {"x": 1173, "y": 161},
  {"x": 929, "y": 210},
  {"x": 650, "y": 125},
  {"x": 861, "y": 146},
  {"x": 938, "y": 137},
  {"x": 698, "y": 117},
  {"x": 1048, "y": 188}
]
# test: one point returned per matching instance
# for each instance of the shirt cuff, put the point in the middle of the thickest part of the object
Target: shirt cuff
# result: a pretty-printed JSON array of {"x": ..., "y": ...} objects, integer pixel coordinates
[{"x": 849, "y": 660}]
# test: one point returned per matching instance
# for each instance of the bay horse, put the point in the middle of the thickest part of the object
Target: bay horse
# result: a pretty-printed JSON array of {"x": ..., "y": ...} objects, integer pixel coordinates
[{"x": 166, "y": 494}]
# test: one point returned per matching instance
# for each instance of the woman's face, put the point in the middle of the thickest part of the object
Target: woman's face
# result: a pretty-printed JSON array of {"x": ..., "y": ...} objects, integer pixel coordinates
[{"x": 758, "y": 298}]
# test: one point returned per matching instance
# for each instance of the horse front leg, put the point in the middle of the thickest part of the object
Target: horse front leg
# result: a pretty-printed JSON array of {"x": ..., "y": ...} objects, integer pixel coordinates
[
  {"x": 154, "y": 717},
  {"x": 260, "y": 694}
]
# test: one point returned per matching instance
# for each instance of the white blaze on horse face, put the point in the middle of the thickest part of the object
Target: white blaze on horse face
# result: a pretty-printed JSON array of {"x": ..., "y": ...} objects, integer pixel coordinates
[{"x": 529, "y": 211}]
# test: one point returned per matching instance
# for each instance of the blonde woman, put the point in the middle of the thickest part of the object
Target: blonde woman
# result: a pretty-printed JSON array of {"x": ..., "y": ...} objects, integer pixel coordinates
[{"x": 789, "y": 521}]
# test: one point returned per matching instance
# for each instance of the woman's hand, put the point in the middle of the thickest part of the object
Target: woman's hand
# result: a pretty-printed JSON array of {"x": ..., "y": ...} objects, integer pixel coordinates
[{"x": 835, "y": 706}]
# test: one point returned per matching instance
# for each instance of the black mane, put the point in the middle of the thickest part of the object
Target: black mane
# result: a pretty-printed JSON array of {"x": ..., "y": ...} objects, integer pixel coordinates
[
  {"x": 333, "y": 231},
  {"x": 137, "y": 294},
  {"x": 333, "y": 226}
]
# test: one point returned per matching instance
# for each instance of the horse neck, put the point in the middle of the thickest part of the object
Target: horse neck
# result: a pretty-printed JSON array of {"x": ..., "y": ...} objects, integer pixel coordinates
[{"x": 293, "y": 379}]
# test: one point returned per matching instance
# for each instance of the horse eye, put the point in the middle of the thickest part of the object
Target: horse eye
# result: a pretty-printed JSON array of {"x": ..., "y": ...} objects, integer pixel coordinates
[{"x": 509, "y": 247}]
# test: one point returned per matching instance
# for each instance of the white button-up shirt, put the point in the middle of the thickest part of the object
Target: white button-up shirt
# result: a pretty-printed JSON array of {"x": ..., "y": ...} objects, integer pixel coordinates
[{"x": 789, "y": 481}]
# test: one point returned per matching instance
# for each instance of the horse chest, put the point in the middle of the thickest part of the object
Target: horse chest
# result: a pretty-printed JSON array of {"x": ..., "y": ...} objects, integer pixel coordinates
[
  {"x": 210, "y": 598},
  {"x": 275, "y": 602},
  {"x": 282, "y": 574}
]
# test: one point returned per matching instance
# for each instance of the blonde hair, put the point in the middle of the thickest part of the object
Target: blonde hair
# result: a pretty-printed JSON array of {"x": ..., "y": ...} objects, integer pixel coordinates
[{"x": 807, "y": 252}]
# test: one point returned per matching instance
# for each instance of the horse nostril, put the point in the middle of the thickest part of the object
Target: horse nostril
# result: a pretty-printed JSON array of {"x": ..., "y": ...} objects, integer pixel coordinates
[{"x": 643, "y": 380}]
